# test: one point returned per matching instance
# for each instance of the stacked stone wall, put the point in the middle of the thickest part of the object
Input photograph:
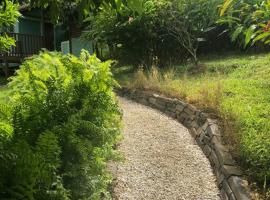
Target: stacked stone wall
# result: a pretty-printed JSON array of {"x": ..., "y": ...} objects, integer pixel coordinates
[{"x": 208, "y": 136}]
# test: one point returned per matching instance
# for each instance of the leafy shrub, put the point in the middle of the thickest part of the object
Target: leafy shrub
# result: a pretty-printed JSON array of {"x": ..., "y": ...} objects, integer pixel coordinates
[
  {"x": 247, "y": 21},
  {"x": 164, "y": 32},
  {"x": 8, "y": 17},
  {"x": 59, "y": 132}
]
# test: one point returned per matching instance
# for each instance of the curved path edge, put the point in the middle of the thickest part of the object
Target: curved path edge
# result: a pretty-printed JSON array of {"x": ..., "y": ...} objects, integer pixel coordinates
[{"x": 207, "y": 134}]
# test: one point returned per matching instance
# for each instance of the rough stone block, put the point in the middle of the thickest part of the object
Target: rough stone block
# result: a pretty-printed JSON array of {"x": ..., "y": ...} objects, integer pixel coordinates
[
  {"x": 203, "y": 116},
  {"x": 193, "y": 132},
  {"x": 180, "y": 107},
  {"x": 226, "y": 188},
  {"x": 206, "y": 139},
  {"x": 225, "y": 158},
  {"x": 155, "y": 95},
  {"x": 211, "y": 121},
  {"x": 159, "y": 106},
  {"x": 162, "y": 100},
  {"x": 200, "y": 131},
  {"x": 182, "y": 117},
  {"x": 213, "y": 157},
  {"x": 171, "y": 107},
  {"x": 187, "y": 123},
  {"x": 232, "y": 197},
  {"x": 220, "y": 177},
  {"x": 192, "y": 108},
  {"x": 213, "y": 130},
  {"x": 143, "y": 101},
  {"x": 223, "y": 195},
  {"x": 218, "y": 146},
  {"x": 205, "y": 126},
  {"x": 152, "y": 100},
  {"x": 189, "y": 110},
  {"x": 192, "y": 117},
  {"x": 216, "y": 141},
  {"x": 201, "y": 137},
  {"x": 229, "y": 171},
  {"x": 239, "y": 188},
  {"x": 170, "y": 114},
  {"x": 181, "y": 102},
  {"x": 144, "y": 94},
  {"x": 199, "y": 142},
  {"x": 207, "y": 150},
  {"x": 194, "y": 124}
]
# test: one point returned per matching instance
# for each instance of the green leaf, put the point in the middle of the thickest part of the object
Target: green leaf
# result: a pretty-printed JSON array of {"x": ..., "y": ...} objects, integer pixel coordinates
[
  {"x": 261, "y": 37},
  {"x": 249, "y": 34},
  {"x": 136, "y": 5},
  {"x": 225, "y": 7},
  {"x": 236, "y": 33}
]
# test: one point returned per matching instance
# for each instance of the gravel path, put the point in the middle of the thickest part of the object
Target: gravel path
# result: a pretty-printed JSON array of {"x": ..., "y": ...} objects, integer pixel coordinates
[{"x": 162, "y": 160}]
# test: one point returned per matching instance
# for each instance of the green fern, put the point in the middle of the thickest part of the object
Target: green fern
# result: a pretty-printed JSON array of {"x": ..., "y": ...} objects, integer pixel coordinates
[{"x": 63, "y": 124}]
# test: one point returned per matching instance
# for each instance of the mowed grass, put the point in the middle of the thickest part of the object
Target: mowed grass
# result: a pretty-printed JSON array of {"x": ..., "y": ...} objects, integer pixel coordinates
[{"x": 234, "y": 88}]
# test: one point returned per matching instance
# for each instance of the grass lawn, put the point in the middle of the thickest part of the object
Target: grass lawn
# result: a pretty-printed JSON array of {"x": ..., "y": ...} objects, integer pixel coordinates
[{"x": 236, "y": 88}]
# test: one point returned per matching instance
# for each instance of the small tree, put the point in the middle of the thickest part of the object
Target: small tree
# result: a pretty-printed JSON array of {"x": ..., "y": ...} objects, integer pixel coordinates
[
  {"x": 172, "y": 26},
  {"x": 188, "y": 21},
  {"x": 8, "y": 16}
]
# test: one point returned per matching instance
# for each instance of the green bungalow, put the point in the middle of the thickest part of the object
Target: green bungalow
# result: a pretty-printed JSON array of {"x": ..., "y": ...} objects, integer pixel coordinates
[{"x": 34, "y": 31}]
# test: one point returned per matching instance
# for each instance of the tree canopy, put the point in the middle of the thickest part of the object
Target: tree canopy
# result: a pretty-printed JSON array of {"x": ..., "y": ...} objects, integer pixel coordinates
[{"x": 59, "y": 9}]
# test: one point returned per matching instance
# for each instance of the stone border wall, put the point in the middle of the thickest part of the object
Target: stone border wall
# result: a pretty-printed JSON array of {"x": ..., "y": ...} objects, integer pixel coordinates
[{"x": 207, "y": 134}]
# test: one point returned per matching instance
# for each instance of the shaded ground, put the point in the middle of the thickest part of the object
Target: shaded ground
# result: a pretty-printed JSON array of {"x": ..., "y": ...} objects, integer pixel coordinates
[{"x": 162, "y": 159}]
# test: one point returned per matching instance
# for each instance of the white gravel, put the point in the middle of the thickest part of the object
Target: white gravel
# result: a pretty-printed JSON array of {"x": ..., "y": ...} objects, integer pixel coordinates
[{"x": 162, "y": 160}]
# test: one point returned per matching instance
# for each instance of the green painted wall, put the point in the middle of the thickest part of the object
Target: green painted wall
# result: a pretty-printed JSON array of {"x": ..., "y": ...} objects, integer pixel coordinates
[
  {"x": 61, "y": 34},
  {"x": 29, "y": 26},
  {"x": 79, "y": 43}
]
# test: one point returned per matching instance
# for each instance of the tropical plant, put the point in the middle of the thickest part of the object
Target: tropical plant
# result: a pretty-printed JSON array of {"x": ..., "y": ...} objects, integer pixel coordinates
[
  {"x": 188, "y": 22},
  {"x": 247, "y": 21},
  {"x": 58, "y": 131},
  {"x": 165, "y": 29}
]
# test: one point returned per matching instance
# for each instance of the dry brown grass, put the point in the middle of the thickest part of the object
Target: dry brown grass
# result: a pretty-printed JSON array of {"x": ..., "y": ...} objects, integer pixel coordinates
[
  {"x": 163, "y": 83},
  {"x": 206, "y": 95}
]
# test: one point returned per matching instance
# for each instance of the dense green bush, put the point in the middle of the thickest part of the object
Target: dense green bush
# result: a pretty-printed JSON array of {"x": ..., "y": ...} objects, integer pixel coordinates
[
  {"x": 164, "y": 32},
  {"x": 58, "y": 130},
  {"x": 247, "y": 21},
  {"x": 8, "y": 16}
]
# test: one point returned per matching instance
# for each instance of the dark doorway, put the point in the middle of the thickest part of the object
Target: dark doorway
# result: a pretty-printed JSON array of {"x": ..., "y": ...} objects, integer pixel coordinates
[{"x": 49, "y": 36}]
